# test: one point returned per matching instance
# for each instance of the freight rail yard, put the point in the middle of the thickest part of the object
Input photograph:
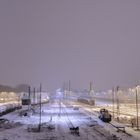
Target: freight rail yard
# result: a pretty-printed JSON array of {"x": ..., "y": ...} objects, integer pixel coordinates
[{"x": 65, "y": 116}]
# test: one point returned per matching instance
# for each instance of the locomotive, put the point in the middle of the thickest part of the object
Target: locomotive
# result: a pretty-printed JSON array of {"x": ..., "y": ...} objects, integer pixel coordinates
[{"x": 104, "y": 115}]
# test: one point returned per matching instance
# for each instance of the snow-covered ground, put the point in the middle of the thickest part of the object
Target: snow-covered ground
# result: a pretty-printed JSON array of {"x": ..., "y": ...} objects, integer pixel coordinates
[
  {"x": 56, "y": 120},
  {"x": 92, "y": 111}
]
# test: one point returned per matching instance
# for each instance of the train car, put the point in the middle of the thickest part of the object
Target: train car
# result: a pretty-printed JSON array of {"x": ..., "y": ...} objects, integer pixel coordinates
[
  {"x": 86, "y": 101},
  {"x": 2, "y": 109},
  {"x": 105, "y": 116},
  {"x": 9, "y": 107}
]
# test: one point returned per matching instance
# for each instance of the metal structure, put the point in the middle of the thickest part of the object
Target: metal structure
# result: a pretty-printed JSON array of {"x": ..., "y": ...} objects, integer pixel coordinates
[
  {"x": 39, "y": 126},
  {"x": 137, "y": 109},
  {"x": 118, "y": 103},
  {"x": 113, "y": 101}
]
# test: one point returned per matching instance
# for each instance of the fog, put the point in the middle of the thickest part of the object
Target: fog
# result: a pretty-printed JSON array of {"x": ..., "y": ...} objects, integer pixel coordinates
[{"x": 53, "y": 41}]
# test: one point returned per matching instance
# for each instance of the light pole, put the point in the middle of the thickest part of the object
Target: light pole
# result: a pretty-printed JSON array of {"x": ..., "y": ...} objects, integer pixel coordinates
[
  {"x": 118, "y": 103},
  {"x": 137, "y": 108},
  {"x": 113, "y": 101},
  {"x": 34, "y": 92},
  {"x": 29, "y": 98},
  {"x": 40, "y": 109}
]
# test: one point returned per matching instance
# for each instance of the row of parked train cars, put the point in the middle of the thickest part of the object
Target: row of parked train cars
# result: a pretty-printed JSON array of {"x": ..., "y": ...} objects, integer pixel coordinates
[
  {"x": 9, "y": 107},
  {"x": 13, "y": 105}
]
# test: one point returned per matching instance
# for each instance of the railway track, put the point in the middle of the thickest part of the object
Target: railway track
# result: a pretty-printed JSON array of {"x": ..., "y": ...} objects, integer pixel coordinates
[
  {"x": 96, "y": 114},
  {"x": 95, "y": 131},
  {"x": 79, "y": 127},
  {"x": 73, "y": 129}
]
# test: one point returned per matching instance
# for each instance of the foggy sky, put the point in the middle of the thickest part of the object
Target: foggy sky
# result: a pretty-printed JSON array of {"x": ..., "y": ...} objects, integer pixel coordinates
[{"x": 53, "y": 41}]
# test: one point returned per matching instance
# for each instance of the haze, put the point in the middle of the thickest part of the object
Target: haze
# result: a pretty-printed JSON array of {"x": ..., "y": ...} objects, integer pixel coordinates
[{"x": 53, "y": 41}]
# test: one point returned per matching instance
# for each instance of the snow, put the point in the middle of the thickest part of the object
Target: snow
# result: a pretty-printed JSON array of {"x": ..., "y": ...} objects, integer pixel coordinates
[{"x": 57, "y": 118}]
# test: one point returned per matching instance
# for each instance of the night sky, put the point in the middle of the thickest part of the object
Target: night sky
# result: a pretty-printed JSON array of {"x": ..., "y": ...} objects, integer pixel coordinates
[{"x": 53, "y": 41}]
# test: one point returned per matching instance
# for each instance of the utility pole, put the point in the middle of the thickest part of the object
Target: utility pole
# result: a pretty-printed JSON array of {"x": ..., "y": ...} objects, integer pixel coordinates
[
  {"x": 29, "y": 90},
  {"x": 137, "y": 108},
  {"x": 91, "y": 89},
  {"x": 64, "y": 92},
  {"x": 39, "y": 127},
  {"x": 34, "y": 96},
  {"x": 113, "y": 101},
  {"x": 29, "y": 97},
  {"x": 69, "y": 85},
  {"x": 118, "y": 104}
]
